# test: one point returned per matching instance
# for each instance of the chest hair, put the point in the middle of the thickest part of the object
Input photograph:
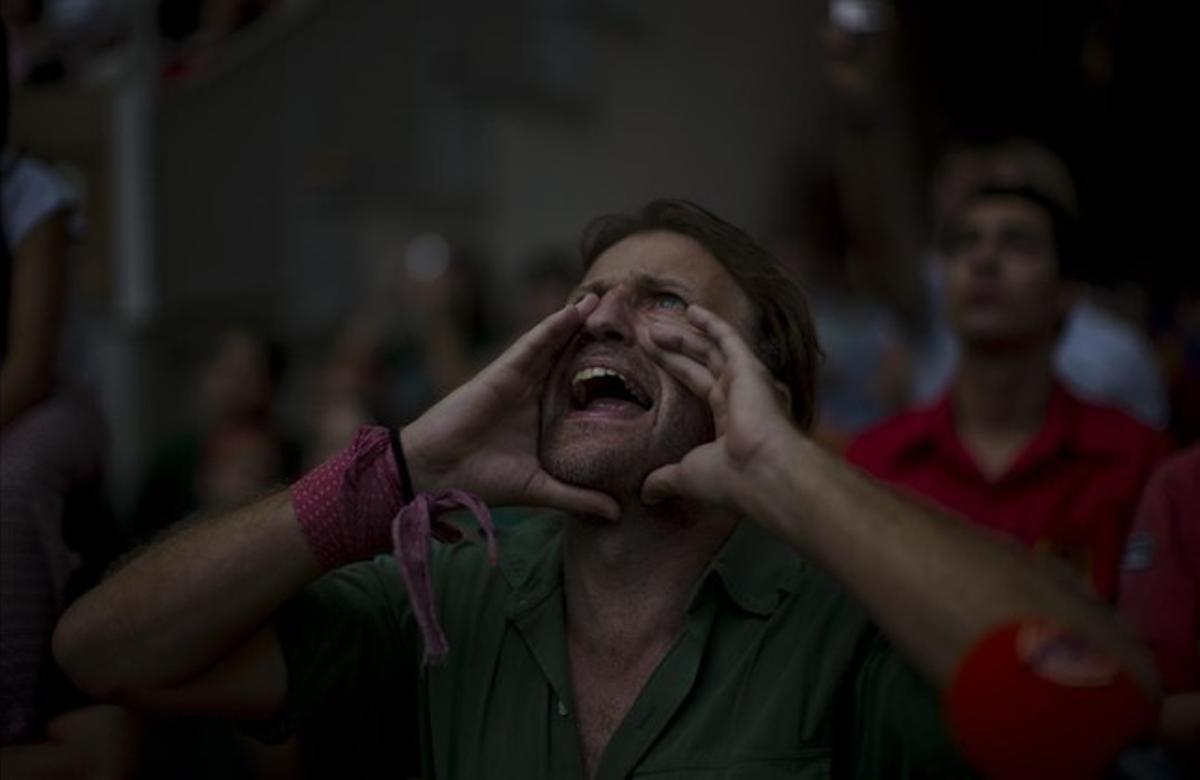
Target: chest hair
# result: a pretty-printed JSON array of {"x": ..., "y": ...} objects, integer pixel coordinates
[{"x": 606, "y": 684}]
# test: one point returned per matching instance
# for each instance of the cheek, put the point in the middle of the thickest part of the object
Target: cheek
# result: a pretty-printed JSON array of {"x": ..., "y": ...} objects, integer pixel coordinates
[
  {"x": 551, "y": 395},
  {"x": 680, "y": 406},
  {"x": 1035, "y": 284}
]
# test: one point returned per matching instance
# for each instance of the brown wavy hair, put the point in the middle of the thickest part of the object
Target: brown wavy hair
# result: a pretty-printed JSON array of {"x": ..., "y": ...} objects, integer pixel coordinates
[{"x": 786, "y": 337}]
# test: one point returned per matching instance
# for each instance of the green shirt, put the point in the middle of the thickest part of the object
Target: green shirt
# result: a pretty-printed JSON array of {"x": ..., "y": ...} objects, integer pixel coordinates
[{"x": 777, "y": 674}]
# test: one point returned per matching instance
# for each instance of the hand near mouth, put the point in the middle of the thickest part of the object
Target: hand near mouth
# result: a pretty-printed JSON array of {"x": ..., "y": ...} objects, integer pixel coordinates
[
  {"x": 483, "y": 437},
  {"x": 749, "y": 410}
]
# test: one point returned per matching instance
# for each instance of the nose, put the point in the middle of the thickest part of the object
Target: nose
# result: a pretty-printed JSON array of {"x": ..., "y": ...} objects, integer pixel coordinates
[
  {"x": 984, "y": 258},
  {"x": 611, "y": 320}
]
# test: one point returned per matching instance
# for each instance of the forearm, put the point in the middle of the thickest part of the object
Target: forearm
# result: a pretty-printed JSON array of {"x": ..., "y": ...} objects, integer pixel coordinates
[
  {"x": 187, "y": 602},
  {"x": 94, "y": 741},
  {"x": 933, "y": 583}
]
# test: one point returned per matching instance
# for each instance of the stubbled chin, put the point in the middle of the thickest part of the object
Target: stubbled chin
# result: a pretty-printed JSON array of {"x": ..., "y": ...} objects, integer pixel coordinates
[{"x": 583, "y": 455}]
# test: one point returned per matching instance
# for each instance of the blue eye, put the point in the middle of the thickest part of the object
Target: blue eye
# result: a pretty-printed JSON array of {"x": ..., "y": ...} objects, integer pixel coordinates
[{"x": 666, "y": 300}]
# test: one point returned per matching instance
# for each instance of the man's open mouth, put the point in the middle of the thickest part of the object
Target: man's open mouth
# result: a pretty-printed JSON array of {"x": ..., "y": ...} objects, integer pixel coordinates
[{"x": 599, "y": 388}]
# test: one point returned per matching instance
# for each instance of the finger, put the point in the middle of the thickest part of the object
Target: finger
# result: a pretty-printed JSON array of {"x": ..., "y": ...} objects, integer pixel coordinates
[
  {"x": 545, "y": 490},
  {"x": 695, "y": 376},
  {"x": 540, "y": 345},
  {"x": 730, "y": 340},
  {"x": 696, "y": 345},
  {"x": 661, "y": 484}
]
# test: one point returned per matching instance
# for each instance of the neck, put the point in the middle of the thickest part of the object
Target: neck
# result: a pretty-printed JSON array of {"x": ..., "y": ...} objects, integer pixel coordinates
[
  {"x": 626, "y": 584},
  {"x": 1000, "y": 404},
  {"x": 1003, "y": 392}
]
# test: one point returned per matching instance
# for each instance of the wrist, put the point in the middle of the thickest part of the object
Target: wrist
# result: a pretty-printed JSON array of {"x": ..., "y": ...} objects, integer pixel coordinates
[
  {"x": 344, "y": 506},
  {"x": 770, "y": 482},
  {"x": 421, "y": 470}
]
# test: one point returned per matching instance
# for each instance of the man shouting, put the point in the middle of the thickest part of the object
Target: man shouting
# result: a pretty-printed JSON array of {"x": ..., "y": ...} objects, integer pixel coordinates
[{"x": 712, "y": 595}]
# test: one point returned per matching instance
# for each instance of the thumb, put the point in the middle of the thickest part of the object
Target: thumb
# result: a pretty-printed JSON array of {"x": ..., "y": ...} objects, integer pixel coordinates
[
  {"x": 661, "y": 484},
  {"x": 544, "y": 490}
]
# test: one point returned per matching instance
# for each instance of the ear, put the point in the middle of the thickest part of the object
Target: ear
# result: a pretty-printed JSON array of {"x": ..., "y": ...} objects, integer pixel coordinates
[{"x": 784, "y": 394}]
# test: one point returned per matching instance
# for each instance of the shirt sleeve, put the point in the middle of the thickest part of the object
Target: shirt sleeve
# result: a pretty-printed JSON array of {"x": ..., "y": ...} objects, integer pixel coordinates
[
  {"x": 32, "y": 192},
  {"x": 899, "y": 730},
  {"x": 352, "y": 651},
  {"x": 1160, "y": 577}
]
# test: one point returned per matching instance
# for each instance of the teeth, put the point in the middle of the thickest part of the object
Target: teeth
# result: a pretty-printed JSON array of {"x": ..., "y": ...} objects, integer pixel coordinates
[{"x": 593, "y": 372}]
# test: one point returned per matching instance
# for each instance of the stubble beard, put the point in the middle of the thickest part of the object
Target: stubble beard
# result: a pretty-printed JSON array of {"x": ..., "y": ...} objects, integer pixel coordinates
[{"x": 591, "y": 455}]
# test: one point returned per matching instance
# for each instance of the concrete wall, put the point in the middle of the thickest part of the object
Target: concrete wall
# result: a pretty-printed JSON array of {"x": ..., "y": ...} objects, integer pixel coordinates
[{"x": 273, "y": 170}]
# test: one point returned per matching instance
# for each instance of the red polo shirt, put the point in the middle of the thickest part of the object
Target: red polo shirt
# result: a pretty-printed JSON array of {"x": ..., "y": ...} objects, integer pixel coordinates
[
  {"x": 1071, "y": 492},
  {"x": 1160, "y": 577}
]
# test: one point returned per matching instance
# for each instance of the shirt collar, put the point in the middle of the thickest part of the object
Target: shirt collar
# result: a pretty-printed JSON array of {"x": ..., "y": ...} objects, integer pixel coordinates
[
  {"x": 753, "y": 569},
  {"x": 1059, "y": 432},
  {"x": 532, "y": 561}
]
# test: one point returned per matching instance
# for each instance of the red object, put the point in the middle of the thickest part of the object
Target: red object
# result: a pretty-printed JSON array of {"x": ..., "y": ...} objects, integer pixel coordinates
[
  {"x": 1071, "y": 493},
  {"x": 346, "y": 505},
  {"x": 1160, "y": 577},
  {"x": 351, "y": 508},
  {"x": 1032, "y": 701}
]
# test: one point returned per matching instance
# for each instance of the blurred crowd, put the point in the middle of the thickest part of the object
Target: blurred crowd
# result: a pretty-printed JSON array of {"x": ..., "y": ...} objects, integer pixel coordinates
[{"x": 1062, "y": 409}]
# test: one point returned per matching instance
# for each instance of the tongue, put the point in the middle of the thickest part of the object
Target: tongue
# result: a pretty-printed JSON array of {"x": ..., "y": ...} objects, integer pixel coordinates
[{"x": 614, "y": 406}]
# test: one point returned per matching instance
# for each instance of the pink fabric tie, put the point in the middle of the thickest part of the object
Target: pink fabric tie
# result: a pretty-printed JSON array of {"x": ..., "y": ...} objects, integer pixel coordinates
[
  {"x": 351, "y": 508},
  {"x": 412, "y": 529}
]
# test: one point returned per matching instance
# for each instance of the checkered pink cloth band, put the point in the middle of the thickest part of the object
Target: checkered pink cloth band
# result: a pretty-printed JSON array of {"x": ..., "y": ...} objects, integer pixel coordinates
[
  {"x": 351, "y": 508},
  {"x": 345, "y": 506}
]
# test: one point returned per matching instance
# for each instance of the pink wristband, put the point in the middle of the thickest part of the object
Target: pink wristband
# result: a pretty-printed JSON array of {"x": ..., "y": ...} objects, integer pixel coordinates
[
  {"x": 345, "y": 506},
  {"x": 351, "y": 508}
]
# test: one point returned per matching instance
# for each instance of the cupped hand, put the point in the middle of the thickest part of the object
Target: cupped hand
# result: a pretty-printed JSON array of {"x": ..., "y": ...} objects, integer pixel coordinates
[
  {"x": 483, "y": 437},
  {"x": 749, "y": 409}
]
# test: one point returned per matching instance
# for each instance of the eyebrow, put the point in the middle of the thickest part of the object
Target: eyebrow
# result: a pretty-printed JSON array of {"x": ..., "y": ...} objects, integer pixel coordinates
[{"x": 642, "y": 281}]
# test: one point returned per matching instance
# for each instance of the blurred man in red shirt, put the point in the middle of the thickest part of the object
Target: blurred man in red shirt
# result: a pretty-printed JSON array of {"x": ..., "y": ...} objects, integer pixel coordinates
[
  {"x": 1008, "y": 446},
  {"x": 1160, "y": 591}
]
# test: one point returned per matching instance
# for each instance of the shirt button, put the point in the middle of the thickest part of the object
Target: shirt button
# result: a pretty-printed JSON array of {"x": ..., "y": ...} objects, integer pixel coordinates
[{"x": 562, "y": 709}]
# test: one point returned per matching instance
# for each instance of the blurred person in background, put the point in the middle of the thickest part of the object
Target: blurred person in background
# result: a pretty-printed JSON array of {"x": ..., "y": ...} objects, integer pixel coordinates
[
  {"x": 239, "y": 463},
  {"x": 52, "y": 443},
  {"x": 901, "y": 87},
  {"x": 1008, "y": 446},
  {"x": 423, "y": 329},
  {"x": 1099, "y": 355},
  {"x": 1160, "y": 594},
  {"x": 864, "y": 375},
  {"x": 235, "y": 450},
  {"x": 546, "y": 277},
  {"x": 53, "y": 40},
  {"x": 236, "y": 447}
]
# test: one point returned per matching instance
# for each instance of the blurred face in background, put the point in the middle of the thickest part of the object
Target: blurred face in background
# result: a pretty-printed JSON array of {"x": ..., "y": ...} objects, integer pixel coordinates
[
  {"x": 240, "y": 463},
  {"x": 237, "y": 383},
  {"x": 1003, "y": 286}
]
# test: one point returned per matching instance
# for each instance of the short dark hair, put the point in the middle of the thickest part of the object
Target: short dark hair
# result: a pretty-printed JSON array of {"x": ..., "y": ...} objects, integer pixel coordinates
[
  {"x": 785, "y": 334},
  {"x": 1064, "y": 226}
]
